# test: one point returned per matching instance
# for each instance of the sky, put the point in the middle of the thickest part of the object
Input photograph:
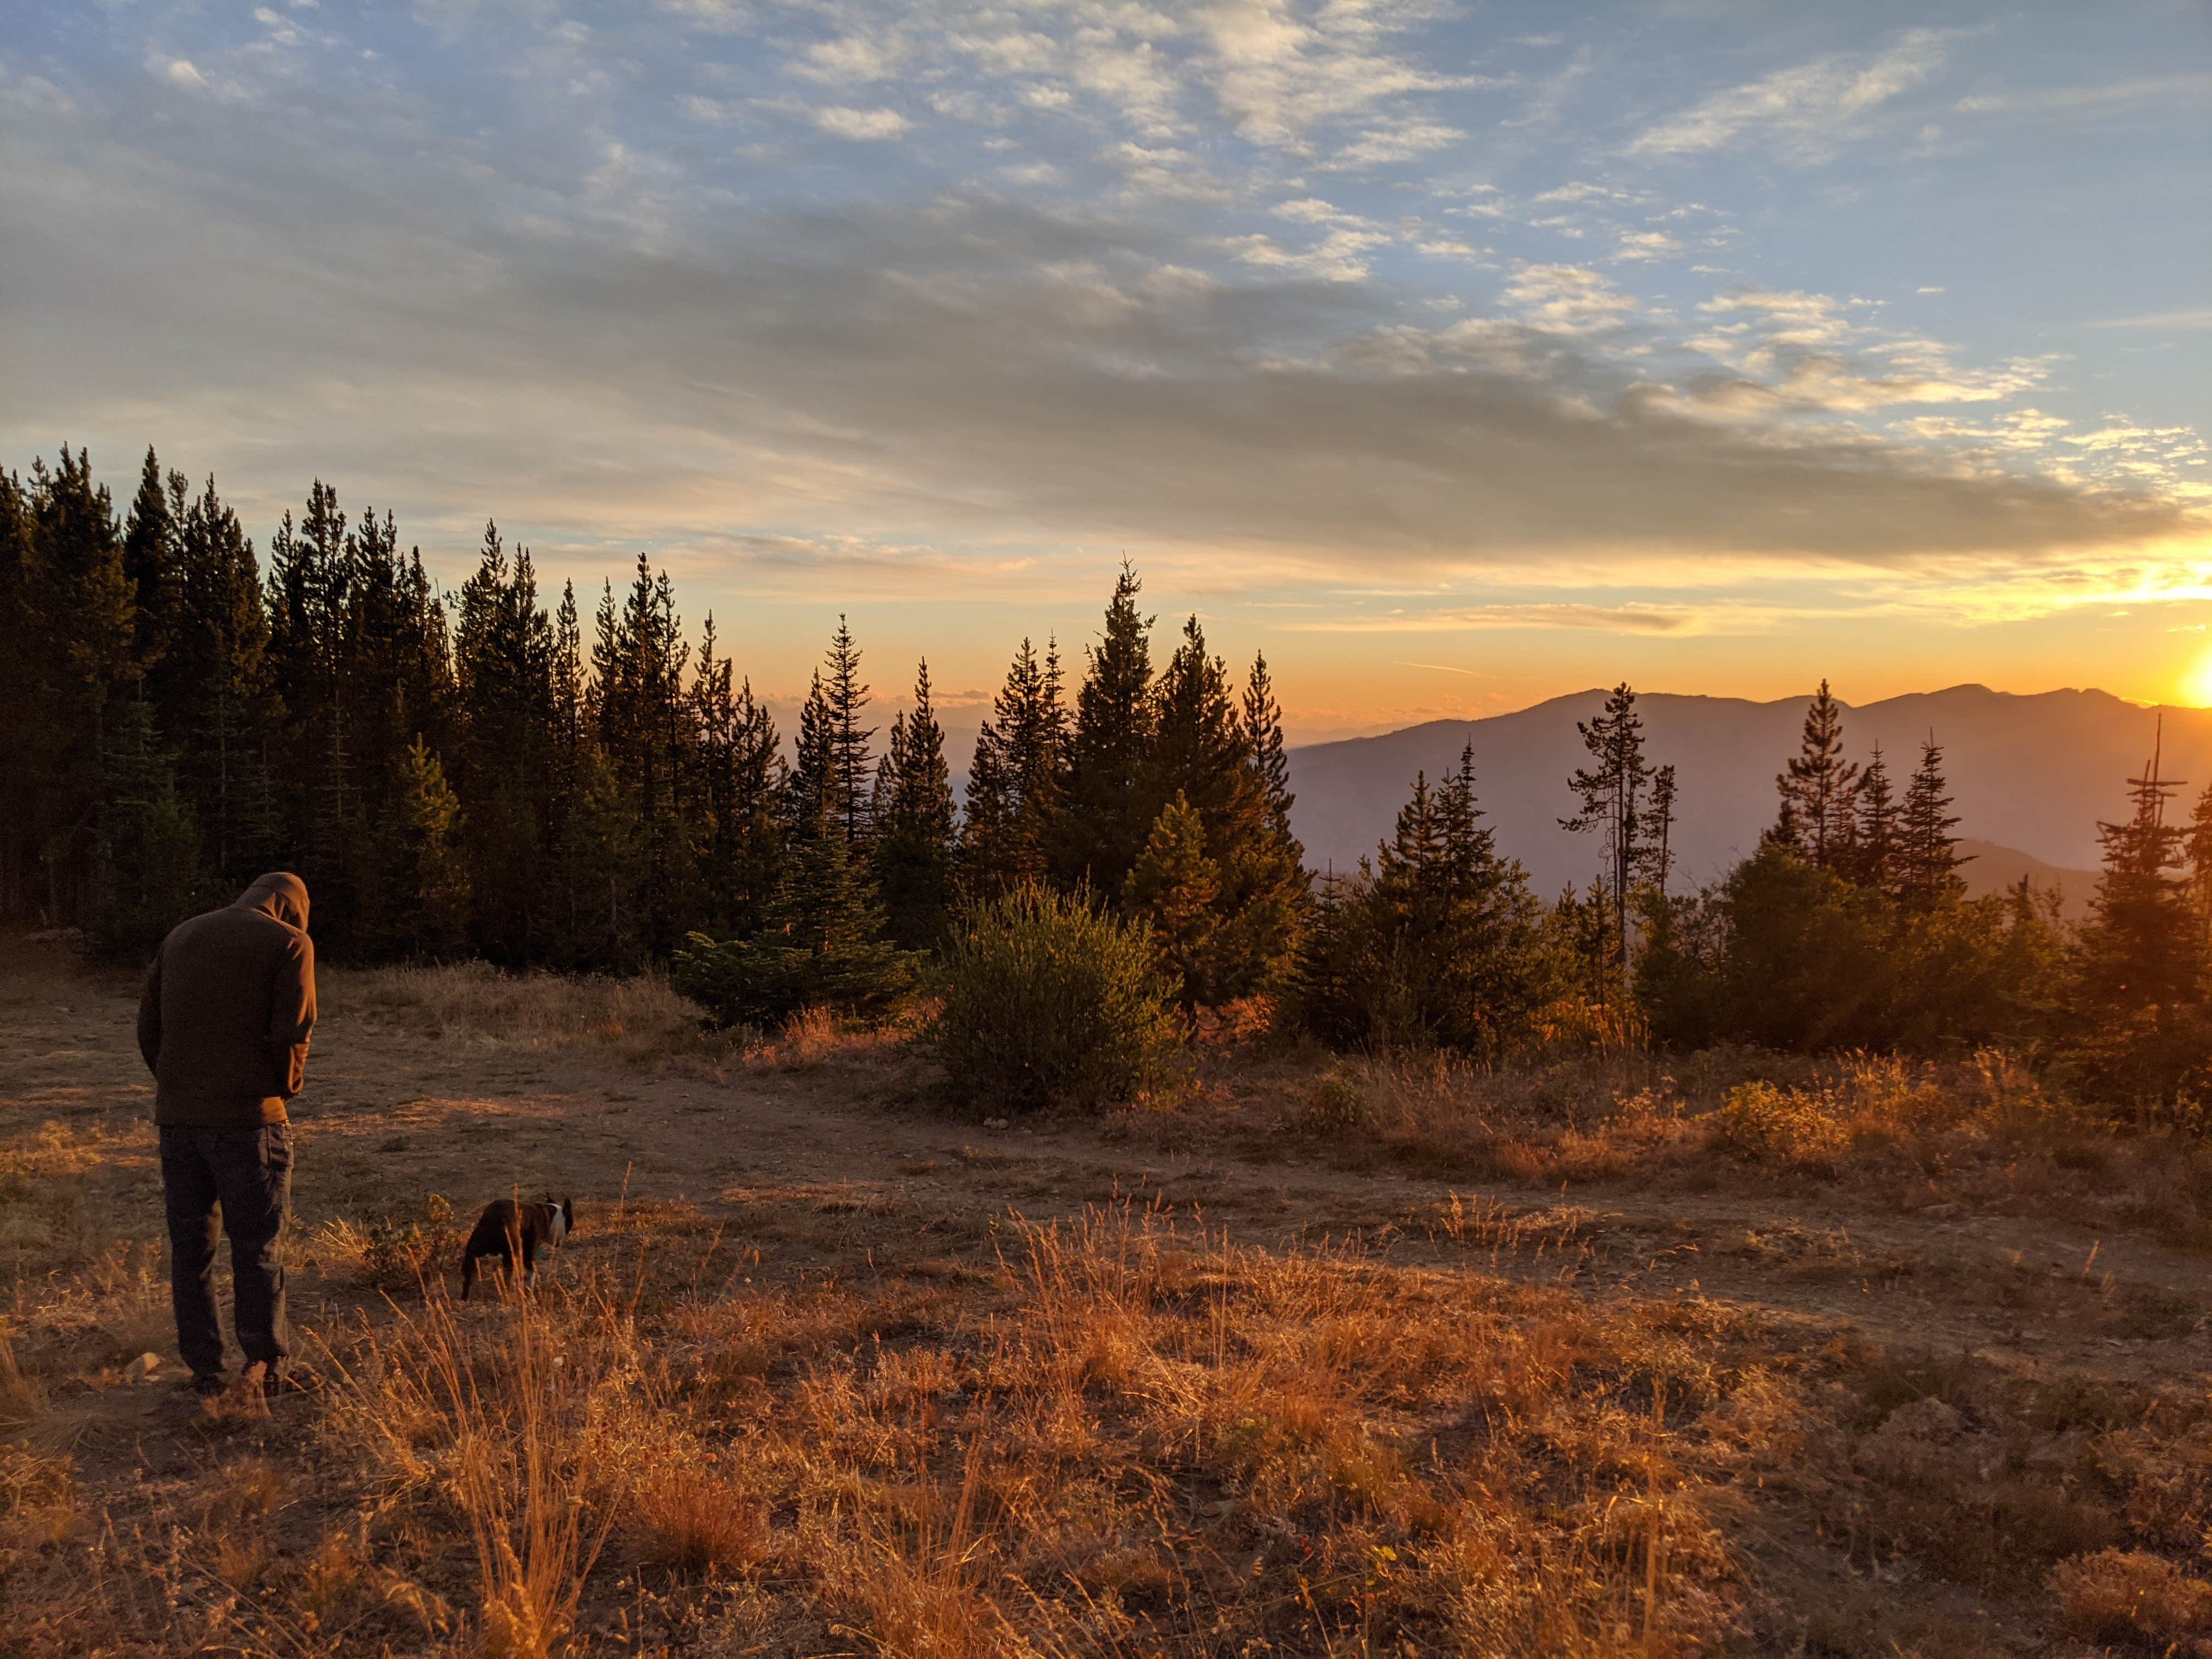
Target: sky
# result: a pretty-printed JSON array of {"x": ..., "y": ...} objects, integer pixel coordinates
[{"x": 1454, "y": 356}]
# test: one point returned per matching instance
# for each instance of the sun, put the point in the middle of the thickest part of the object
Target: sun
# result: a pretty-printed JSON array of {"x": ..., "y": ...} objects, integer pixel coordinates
[{"x": 2194, "y": 685}]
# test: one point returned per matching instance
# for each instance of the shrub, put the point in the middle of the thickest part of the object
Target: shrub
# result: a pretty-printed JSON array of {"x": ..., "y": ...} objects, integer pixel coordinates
[
  {"x": 1761, "y": 1122},
  {"x": 1047, "y": 1000},
  {"x": 823, "y": 947}
]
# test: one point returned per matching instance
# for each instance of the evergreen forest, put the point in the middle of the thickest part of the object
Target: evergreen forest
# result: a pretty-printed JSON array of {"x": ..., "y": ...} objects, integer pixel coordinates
[{"x": 584, "y": 784}]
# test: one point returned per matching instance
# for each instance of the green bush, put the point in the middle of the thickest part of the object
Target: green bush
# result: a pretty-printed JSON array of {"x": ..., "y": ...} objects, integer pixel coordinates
[
  {"x": 823, "y": 947},
  {"x": 1049, "y": 1001}
]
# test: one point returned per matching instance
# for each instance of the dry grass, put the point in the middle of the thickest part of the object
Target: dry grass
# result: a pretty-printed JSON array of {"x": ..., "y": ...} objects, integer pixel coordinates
[
  {"x": 1908, "y": 1133},
  {"x": 1123, "y": 1434},
  {"x": 849, "y": 1417},
  {"x": 638, "y": 1020},
  {"x": 2127, "y": 1597}
]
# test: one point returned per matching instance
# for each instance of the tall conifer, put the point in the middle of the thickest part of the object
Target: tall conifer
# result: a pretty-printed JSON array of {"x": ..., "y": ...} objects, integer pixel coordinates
[
  {"x": 914, "y": 830},
  {"x": 1877, "y": 834},
  {"x": 852, "y": 773},
  {"x": 1016, "y": 779},
  {"x": 1816, "y": 786},
  {"x": 1110, "y": 811},
  {"x": 2141, "y": 958},
  {"x": 1613, "y": 792},
  {"x": 1927, "y": 854}
]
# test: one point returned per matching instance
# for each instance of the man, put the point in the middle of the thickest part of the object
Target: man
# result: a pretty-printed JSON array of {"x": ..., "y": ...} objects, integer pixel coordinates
[{"x": 223, "y": 1025}]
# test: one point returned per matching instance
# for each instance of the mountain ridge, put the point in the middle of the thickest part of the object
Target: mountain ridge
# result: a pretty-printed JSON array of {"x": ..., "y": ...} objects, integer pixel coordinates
[{"x": 2032, "y": 771}]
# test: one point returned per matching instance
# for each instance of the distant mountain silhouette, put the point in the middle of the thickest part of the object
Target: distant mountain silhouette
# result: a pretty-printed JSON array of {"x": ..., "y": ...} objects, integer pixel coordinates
[{"x": 2029, "y": 774}]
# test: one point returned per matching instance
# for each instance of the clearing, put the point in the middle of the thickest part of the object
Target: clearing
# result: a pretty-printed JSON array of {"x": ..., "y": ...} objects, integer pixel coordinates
[{"x": 826, "y": 1370}]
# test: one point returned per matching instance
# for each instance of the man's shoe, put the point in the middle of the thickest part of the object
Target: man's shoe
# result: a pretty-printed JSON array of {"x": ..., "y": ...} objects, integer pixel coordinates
[{"x": 209, "y": 1385}]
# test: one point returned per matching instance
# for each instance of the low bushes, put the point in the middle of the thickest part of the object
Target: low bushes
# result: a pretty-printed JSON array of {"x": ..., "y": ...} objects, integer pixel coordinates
[{"x": 1048, "y": 1000}]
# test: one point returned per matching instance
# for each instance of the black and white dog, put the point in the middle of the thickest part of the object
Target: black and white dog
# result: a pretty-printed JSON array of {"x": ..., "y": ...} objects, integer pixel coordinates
[{"x": 507, "y": 1230}]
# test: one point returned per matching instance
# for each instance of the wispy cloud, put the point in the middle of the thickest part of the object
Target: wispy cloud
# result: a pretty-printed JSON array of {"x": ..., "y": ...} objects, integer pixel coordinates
[
  {"x": 2200, "y": 317},
  {"x": 1809, "y": 108},
  {"x": 1611, "y": 619},
  {"x": 2090, "y": 100}
]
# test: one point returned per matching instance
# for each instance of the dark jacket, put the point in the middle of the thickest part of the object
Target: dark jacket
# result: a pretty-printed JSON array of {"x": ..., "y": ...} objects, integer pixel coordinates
[{"x": 229, "y": 1005}]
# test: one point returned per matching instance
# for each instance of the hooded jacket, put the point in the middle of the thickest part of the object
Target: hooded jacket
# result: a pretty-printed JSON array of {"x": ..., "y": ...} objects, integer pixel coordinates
[{"x": 229, "y": 1006}]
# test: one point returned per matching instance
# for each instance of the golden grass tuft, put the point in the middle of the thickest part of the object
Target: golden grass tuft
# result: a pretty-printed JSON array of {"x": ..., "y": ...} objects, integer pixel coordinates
[
  {"x": 515, "y": 1419},
  {"x": 2127, "y": 1596},
  {"x": 693, "y": 1517}
]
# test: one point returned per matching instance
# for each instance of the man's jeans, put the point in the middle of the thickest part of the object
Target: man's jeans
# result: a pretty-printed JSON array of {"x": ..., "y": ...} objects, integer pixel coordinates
[{"x": 249, "y": 1173}]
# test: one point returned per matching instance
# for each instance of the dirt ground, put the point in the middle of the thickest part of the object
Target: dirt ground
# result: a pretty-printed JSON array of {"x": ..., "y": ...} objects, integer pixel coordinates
[{"x": 842, "y": 1167}]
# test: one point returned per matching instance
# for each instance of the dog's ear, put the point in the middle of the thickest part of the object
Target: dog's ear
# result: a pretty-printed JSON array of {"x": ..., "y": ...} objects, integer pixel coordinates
[{"x": 568, "y": 1209}]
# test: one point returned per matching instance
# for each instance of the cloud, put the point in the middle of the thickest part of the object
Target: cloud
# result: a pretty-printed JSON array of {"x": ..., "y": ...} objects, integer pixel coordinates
[
  {"x": 850, "y": 60},
  {"x": 1165, "y": 173},
  {"x": 182, "y": 72},
  {"x": 1402, "y": 141},
  {"x": 1603, "y": 618},
  {"x": 2086, "y": 100},
  {"x": 1647, "y": 245},
  {"x": 1278, "y": 75},
  {"x": 606, "y": 329},
  {"x": 2200, "y": 317},
  {"x": 861, "y": 125},
  {"x": 1808, "y": 109},
  {"x": 1335, "y": 258},
  {"x": 1567, "y": 299}
]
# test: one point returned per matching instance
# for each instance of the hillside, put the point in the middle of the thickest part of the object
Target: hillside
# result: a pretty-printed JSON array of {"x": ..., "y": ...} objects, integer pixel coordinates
[{"x": 2031, "y": 774}]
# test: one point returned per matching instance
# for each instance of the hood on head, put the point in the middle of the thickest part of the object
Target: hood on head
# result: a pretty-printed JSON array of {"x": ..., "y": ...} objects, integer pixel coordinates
[{"x": 280, "y": 894}]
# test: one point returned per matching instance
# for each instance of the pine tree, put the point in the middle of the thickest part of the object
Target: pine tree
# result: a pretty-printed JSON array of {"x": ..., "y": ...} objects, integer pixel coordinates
[
  {"x": 82, "y": 642},
  {"x": 807, "y": 800},
  {"x": 1263, "y": 741},
  {"x": 600, "y": 871},
  {"x": 1588, "y": 925},
  {"x": 1108, "y": 814},
  {"x": 432, "y": 909},
  {"x": 1016, "y": 779},
  {"x": 1927, "y": 854},
  {"x": 149, "y": 565},
  {"x": 1175, "y": 887},
  {"x": 1204, "y": 751},
  {"x": 22, "y": 699},
  {"x": 147, "y": 873},
  {"x": 1877, "y": 839},
  {"x": 1612, "y": 797},
  {"x": 914, "y": 830},
  {"x": 852, "y": 773},
  {"x": 822, "y": 945},
  {"x": 2196, "y": 844},
  {"x": 1435, "y": 940},
  {"x": 739, "y": 780},
  {"x": 643, "y": 726},
  {"x": 1816, "y": 786},
  {"x": 2140, "y": 955},
  {"x": 504, "y": 701},
  {"x": 218, "y": 700}
]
